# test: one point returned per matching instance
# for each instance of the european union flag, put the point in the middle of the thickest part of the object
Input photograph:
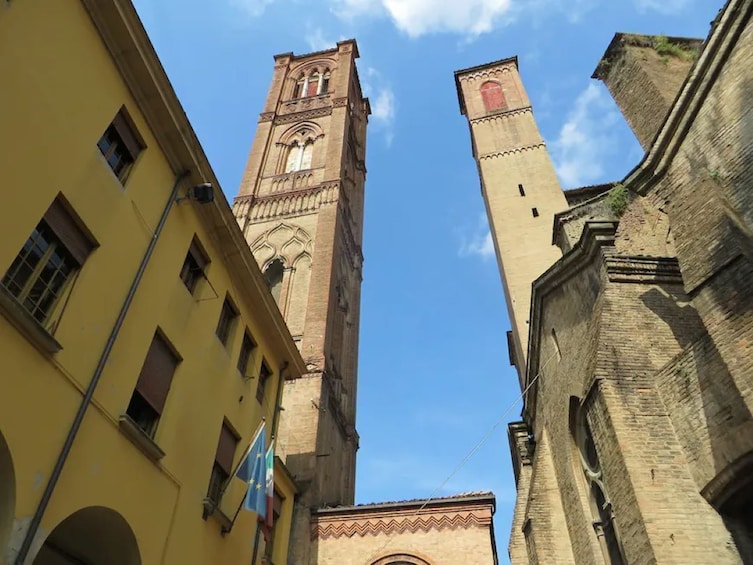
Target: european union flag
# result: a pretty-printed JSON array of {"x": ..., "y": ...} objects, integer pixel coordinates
[{"x": 253, "y": 472}]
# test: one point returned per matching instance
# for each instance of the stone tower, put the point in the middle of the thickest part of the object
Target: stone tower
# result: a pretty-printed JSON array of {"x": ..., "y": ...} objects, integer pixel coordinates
[
  {"x": 518, "y": 184},
  {"x": 300, "y": 206}
]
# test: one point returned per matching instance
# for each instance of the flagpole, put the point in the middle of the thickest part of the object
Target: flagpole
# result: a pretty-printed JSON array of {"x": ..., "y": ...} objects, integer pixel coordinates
[
  {"x": 256, "y": 543},
  {"x": 242, "y": 459}
]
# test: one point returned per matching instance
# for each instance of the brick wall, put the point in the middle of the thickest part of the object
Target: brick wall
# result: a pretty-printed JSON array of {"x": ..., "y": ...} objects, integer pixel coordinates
[
  {"x": 642, "y": 81},
  {"x": 442, "y": 533}
]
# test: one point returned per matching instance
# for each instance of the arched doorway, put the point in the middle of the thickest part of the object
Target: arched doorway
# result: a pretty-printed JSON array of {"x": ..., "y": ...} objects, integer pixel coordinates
[
  {"x": 90, "y": 536},
  {"x": 7, "y": 494}
]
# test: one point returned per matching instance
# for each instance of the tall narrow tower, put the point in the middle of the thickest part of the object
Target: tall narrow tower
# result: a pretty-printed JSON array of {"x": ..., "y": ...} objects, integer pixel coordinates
[
  {"x": 518, "y": 183},
  {"x": 300, "y": 206}
]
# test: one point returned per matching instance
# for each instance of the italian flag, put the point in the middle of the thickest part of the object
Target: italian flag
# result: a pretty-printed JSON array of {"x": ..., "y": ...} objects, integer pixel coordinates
[{"x": 268, "y": 520}]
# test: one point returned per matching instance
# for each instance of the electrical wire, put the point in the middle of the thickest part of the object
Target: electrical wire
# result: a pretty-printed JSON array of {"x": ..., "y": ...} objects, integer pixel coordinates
[{"x": 475, "y": 449}]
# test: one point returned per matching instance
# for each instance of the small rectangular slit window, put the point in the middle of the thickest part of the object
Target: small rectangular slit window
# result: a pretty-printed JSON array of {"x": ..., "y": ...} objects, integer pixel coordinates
[
  {"x": 522, "y": 190},
  {"x": 535, "y": 212}
]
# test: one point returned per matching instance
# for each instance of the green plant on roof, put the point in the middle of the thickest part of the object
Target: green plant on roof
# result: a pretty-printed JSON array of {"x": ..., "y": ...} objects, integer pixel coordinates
[
  {"x": 664, "y": 47},
  {"x": 618, "y": 199}
]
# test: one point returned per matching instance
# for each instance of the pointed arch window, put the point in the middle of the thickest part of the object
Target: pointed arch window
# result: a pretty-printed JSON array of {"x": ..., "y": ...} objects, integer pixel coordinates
[
  {"x": 294, "y": 157},
  {"x": 299, "y": 156},
  {"x": 491, "y": 94},
  {"x": 273, "y": 275},
  {"x": 324, "y": 83},
  {"x": 590, "y": 466},
  {"x": 300, "y": 87},
  {"x": 312, "y": 86}
]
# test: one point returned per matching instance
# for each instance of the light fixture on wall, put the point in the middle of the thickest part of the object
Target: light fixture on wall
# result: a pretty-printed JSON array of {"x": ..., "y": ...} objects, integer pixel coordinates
[{"x": 202, "y": 193}]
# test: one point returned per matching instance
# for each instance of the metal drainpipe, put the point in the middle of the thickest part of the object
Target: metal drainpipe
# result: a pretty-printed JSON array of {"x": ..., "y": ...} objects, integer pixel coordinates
[
  {"x": 57, "y": 470},
  {"x": 278, "y": 399}
]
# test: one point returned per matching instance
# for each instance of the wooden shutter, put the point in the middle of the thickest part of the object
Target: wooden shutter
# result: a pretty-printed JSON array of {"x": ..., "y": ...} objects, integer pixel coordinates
[
  {"x": 127, "y": 132},
  {"x": 61, "y": 222},
  {"x": 157, "y": 374},
  {"x": 226, "y": 448}
]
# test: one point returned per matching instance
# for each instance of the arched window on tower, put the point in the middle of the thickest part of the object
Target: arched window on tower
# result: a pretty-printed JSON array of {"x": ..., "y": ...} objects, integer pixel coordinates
[
  {"x": 300, "y": 87},
  {"x": 324, "y": 83},
  {"x": 590, "y": 469},
  {"x": 299, "y": 156},
  {"x": 306, "y": 154},
  {"x": 273, "y": 275},
  {"x": 491, "y": 94},
  {"x": 312, "y": 88},
  {"x": 294, "y": 158}
]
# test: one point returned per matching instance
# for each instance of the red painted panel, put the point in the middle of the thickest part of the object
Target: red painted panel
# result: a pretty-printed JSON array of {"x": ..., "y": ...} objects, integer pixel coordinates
[{"x": 491, "y": 93}]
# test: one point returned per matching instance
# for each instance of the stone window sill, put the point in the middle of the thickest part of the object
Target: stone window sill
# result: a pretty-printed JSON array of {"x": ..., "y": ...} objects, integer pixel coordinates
[
  {"x": 26, "y": 324},
  {"x": 211, "y": 509},
  {"x": 139, "y": 438}
]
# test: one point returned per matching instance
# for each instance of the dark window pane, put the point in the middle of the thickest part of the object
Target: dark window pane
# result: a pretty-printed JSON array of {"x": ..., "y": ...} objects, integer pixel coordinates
[
  {"x": 264, "y": 374},
  {"x": 142, "y": 414},
  {"x": 245, "y": 355},
  {"x": 227, "y": 316}
]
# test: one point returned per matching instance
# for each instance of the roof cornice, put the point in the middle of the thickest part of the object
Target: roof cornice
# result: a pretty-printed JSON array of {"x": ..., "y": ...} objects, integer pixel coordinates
[{"x": 134, "y": 56}]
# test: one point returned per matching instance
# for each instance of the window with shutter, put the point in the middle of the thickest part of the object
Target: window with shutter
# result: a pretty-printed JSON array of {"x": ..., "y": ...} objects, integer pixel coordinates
[
  {"x": 121, "y": 144},
  {"x": 149, "y": 397},
  {"x": 223, "y": 462},
  {"x": 56, "y": 249}
]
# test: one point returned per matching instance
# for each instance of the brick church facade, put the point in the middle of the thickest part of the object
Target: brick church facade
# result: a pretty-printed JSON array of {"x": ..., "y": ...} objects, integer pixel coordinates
[{"x": 631, "y": 307}]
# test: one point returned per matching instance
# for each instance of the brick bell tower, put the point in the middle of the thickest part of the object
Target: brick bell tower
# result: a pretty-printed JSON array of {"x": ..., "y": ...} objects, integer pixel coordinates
[
  {"x": 518, "y": 183},
  {"x": 300, "y": 206}
]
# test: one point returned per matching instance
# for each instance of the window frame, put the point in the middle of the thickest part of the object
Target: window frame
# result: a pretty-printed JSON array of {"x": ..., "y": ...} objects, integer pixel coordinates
[
  {"x": 153, "y": 386},
  {"x": 248, "y": 345},
  {"x": 121, "y": 135},
  {"x": 265, "y": 374},
  {"x": 60, "y": 237},
  {"x": 229, "y": 314},
  {"x": 222, "y": 467},
  {"x": 192, "y": 275}
]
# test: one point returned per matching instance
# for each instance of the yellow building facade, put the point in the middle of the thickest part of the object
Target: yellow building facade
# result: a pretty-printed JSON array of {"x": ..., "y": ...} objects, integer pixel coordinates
[{"x": 140, "y": 345}]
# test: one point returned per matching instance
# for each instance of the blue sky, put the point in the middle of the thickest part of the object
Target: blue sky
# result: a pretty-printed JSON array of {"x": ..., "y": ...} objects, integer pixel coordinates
[{"x": 434, "y": 377}]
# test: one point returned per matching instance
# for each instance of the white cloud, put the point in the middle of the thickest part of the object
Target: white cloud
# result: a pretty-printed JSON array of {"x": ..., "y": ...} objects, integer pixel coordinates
[
  {"x": 317, "y": 41},
  {"x": 468, "y": 17},
  {"x": 348, "y": 9},
  {"x": 669, "y": 7},
  {"x": 479, "y": 243},
  {"x": 382, "y": 100},
  {"x": 253, "y": 8},
  {"x": 586, "y": 138}
]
